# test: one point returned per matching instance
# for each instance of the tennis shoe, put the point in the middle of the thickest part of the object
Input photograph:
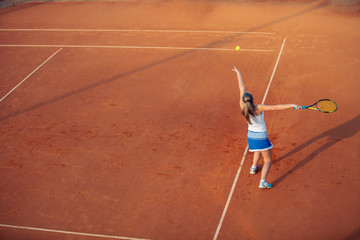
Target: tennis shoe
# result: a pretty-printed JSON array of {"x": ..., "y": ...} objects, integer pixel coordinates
[
  {"x": 253, "y": 170},
  {"x": 265, "y": 185}
]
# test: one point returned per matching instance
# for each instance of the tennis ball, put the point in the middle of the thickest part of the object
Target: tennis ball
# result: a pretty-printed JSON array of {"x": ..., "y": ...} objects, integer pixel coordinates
[{"x": 237, "y": 48}]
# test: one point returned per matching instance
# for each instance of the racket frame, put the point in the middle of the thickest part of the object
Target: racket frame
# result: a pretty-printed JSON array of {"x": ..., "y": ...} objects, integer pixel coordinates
[{"x": 316, "y": 108}]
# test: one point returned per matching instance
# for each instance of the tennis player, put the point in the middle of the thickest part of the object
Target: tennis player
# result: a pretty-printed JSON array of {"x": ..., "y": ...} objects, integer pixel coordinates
[{"x": 257, "y": 136}]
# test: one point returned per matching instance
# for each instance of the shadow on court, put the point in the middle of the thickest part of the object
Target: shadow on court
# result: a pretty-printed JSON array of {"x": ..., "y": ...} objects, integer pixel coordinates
[
  {"x": 119, "y": 76},
  {"x": 13, "y": 6},
  {"x": 334, "y": 135},
  {"x": 354, "y": 236}
]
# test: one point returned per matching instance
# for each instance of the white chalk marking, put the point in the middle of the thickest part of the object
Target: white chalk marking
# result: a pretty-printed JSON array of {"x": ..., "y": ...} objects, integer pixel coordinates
[
  {"x": 30, "y": 75},
  {"x": 231, "y": 193},
  {"x": 273, "y": 73},
  {"x": 70, "y": 233},
  {"x": 246, "y": 150},
  {"x": 117, "y": 237},
  {"x": 127, "y": 30},
  {"x": 140, "y": 47}
]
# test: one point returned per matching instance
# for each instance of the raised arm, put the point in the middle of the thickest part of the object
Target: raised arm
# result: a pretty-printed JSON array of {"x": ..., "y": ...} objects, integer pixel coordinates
[
  {"x": 277, "y": 107},
  {"x": 241, "y": 85}
]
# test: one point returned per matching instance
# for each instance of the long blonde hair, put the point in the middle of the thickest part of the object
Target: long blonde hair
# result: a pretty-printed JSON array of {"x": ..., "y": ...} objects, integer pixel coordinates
[{"x": 249, "y": 108}]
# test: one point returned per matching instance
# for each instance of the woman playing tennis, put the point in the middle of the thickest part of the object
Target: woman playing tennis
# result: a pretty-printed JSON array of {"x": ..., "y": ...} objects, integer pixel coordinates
[{"x": 257, "y": 136}]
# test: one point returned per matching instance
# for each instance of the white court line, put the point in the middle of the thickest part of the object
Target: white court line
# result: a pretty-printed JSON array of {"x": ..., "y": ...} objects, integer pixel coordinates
[
  {"x": 71, "y": 233},
  {"x": 139, "y": 47},
  {"x": 231, "y": 193},
  {"x": 245, "y": 152},
  {"x": 117, "y": 237},
  {"x": 273, "y": 73},
  {"x": 30, "y": 75},
  {"x": 127, "y": 30}
]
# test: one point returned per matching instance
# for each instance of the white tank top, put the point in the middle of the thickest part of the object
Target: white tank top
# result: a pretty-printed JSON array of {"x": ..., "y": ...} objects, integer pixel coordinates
[{"x": 257, "y": 123}]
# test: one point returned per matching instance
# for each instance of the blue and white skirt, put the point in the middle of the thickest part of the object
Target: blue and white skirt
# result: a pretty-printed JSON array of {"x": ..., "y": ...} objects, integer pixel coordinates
[{"x": 258, "y": 141}]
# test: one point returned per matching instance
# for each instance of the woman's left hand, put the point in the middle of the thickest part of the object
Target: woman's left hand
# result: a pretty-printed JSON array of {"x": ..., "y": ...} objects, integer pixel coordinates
[{"x": 236, "y": 70}]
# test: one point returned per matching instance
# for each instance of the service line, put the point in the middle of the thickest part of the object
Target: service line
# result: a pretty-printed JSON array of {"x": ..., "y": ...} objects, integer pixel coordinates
[
  {"x": 137, "y": 47},
  {"x": 246, "y": 150}
]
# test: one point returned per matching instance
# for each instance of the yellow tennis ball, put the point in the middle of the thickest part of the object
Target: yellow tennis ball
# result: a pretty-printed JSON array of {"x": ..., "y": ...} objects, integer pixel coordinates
[{"x": 237, "y": 48}]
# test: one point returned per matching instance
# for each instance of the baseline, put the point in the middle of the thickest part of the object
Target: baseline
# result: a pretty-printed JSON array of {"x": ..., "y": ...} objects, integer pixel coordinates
[
  {"x": 70, "y": 232},
  {"x": 127, "y": 30},
  {"x": 246, "y": 150}
]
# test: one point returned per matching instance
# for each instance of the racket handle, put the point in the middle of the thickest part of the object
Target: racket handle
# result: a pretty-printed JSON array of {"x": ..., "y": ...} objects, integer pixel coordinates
[{"x": 302, "y": 107}]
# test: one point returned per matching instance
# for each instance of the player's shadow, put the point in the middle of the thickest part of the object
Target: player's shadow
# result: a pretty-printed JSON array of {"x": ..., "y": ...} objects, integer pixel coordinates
[
  {"x": 334, "y": 135},
  {"x": 354, "y": 236}
]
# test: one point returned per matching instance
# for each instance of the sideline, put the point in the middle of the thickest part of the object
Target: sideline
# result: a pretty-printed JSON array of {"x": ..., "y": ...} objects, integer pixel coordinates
[
  {"x": 30, "y": 75},
  {"x": 246, "y": 150}
]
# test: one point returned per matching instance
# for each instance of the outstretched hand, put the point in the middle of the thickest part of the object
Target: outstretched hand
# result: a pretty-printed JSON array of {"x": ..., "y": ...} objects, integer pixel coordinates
[{"x": 235, "y": 69}]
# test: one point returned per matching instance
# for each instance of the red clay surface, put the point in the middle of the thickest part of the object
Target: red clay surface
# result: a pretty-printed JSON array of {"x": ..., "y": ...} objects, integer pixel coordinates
[{"x": 146, "y": 143}]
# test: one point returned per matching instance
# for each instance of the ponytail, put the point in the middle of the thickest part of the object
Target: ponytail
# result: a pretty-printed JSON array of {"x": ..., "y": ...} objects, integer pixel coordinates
[{"x": 249, "y": 107}]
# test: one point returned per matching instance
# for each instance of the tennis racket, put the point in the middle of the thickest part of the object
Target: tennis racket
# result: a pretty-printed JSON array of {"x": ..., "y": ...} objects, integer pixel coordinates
[{"x": 323, "y": 105}]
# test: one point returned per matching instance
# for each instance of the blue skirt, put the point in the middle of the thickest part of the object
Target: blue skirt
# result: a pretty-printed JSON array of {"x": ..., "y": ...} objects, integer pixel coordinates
[{"x": 258, "y": 141}]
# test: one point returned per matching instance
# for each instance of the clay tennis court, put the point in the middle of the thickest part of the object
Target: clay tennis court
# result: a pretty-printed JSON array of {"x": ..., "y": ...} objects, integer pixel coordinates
[{"x": 120, "y": 120}]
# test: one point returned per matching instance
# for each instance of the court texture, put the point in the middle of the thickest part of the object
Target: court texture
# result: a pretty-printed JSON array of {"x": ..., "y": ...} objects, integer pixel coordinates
[{"x": 121, "y": 120}]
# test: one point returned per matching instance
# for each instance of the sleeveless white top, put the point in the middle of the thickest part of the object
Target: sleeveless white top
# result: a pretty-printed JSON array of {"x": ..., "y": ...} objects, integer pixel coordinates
[{"x": 257, "y": 123}]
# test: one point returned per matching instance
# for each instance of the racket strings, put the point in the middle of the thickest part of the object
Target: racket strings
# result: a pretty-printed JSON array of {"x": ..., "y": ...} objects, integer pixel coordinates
[{"x": 326, "y": 106}]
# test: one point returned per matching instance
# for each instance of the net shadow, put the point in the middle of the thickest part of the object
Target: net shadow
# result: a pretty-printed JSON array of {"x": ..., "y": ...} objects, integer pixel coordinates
[{"x": 119, "y": 76}]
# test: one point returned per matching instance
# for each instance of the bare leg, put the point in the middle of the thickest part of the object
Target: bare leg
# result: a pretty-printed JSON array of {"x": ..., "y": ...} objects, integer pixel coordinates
[
  {"x": 267, "y": 163},
  {"x": 256, "y": 159}
]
